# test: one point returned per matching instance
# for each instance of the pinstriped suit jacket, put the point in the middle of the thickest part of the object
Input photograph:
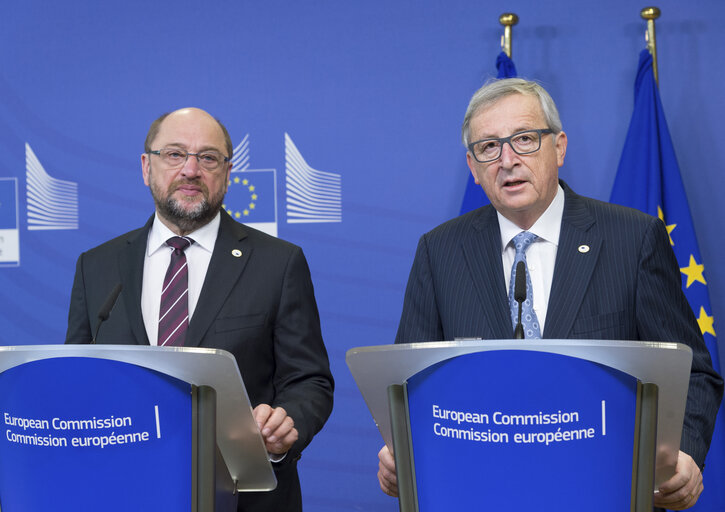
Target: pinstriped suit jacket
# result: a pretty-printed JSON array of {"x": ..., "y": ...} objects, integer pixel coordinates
[{"x": 626, "y": 287}]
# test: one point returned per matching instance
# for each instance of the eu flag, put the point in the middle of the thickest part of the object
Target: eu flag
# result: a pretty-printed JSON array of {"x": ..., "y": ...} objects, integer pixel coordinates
[
  {"x": 251, "y": 196},
  {"x": 648, "y": 178},
  {"x": 474, "y": 196}
]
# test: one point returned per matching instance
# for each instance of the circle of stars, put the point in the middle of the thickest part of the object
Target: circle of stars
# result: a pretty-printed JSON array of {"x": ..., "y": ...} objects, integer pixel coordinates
[{"x": 238, "y": 214}]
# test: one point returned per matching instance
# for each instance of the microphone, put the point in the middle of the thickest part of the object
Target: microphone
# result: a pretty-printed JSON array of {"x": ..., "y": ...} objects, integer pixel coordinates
[
  {"x": 105, "y": 310},
  {"x": 520, "y": 297}
]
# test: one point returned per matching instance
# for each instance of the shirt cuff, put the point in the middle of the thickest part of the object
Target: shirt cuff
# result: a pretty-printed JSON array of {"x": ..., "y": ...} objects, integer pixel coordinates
[{"x": 276, "y": 457}]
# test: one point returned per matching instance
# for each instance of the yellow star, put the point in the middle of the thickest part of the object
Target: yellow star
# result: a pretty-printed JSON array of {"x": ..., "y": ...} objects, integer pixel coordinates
[
  {"x": 254, "y": 197},
  {"x": 245, "y": 181},
  {"x": 693, "y": 272},
  {"x": 237, "y": 215},
  {"x": 661, "y": 215},
  {"x": 246, "y": 212},
  {"x": 251, "y": 188},
  {"x": 705, "y": 322},
  {"x": 236, "y": 179},
  {"x": 251, "y": 206}
]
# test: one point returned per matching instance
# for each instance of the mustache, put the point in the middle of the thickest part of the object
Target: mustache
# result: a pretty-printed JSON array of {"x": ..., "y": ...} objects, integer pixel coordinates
[{"x": 180, "y": 183}]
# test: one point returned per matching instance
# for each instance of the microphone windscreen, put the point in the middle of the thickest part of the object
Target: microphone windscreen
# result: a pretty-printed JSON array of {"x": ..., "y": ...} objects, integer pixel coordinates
[
  {"x": 105, "y": 310},
  {"x": 520, "y": 284}
]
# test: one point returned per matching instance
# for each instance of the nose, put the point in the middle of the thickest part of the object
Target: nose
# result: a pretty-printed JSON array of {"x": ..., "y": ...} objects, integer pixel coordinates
[
  {"x": 191, "y": 167},
  {"x": 508, "y": 155}
]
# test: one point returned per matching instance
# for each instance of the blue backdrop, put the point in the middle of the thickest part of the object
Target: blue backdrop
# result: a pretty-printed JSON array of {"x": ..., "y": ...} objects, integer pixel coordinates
[{"x": 367, "y": 97}]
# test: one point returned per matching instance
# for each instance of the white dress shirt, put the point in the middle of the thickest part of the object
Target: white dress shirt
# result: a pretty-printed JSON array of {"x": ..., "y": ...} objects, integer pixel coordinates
[
  {"x": 158, "y": 256},
  {"x": 541, "y": 254}
]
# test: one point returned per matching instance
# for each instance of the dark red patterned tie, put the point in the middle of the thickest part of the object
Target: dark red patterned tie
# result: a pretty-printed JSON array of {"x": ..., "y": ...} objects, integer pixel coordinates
[{"x": 174, "y": 310}]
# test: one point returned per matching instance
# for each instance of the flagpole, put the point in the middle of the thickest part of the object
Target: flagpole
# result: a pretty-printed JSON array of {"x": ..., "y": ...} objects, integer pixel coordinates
[
  {"x": 508, "y": 20},
  {"x": 651, "y": 14}
]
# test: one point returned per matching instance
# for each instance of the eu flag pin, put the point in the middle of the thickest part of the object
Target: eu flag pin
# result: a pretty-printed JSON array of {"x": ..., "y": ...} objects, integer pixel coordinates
[
  {"x": 583, "y": 249},
  {"x": 237, "y": 253}
]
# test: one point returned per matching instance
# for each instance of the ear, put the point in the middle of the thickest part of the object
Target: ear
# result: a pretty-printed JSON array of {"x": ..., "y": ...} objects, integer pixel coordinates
[
  {"x": 145, "y": 167},
  {"x": 472, "y": 166},
  {"x": 560, "y": 146}
]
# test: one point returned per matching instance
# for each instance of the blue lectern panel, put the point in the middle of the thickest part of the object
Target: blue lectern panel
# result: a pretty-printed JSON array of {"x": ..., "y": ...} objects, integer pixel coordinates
[
  {"x": 94, "y": 434},
  {"x": 517, "y": 430}
]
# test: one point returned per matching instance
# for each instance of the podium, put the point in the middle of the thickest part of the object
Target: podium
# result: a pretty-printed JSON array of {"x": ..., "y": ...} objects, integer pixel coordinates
[
  {"x": 119, "y": 427},
  {"x": 512, "y": 424}
]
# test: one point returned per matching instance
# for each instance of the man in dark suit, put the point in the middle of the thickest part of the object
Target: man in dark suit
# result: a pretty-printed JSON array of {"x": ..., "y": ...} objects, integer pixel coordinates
[
  {"x": 597, "y": 271},
  {"x": 244, "y": 291}
]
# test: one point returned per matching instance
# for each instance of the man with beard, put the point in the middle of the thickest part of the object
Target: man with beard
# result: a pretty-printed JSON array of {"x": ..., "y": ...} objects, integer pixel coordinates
[{"x": 237, "y": 289}]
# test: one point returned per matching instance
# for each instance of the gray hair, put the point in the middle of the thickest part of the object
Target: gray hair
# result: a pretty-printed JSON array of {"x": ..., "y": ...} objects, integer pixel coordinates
[{"x": 495, "y": 89}]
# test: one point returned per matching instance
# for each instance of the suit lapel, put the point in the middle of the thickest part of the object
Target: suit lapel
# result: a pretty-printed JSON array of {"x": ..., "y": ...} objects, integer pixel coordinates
[
  {"x": 482, "y": 252},
  {"x": 130, "y": 263},
  {"x": 576, "y": 258},
  {"x": 228, "y": 260}
]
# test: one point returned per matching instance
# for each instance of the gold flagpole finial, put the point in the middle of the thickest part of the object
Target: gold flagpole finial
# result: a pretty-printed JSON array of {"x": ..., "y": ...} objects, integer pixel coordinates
[
  {"x": 651, "y": 14},
  {"x": 508, "y": 20}
]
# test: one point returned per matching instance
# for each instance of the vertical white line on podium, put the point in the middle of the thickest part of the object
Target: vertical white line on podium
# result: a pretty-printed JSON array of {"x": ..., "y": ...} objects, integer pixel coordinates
[
  {"x": 158, "y": 425},
  {"x": 604, "y": 417}
]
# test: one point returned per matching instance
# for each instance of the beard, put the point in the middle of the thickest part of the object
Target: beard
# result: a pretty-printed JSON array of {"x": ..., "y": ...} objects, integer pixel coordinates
[{"x": 187, "y": 214}]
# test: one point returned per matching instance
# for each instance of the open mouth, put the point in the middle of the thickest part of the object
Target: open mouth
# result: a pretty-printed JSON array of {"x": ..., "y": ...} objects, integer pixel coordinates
[{"x": 514, "y": 183}]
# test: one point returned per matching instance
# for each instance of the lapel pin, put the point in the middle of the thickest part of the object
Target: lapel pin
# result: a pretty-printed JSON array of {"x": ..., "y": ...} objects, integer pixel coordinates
[
  {"x": 583, "y": 249},
  {"x": 238, "y": 254}
]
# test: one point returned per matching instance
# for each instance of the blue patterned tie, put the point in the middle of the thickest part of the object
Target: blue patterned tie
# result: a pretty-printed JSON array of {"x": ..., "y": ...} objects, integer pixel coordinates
[{"x": 522, "y": 241}]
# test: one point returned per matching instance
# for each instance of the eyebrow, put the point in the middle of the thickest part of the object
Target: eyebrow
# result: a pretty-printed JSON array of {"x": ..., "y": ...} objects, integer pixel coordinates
[
  {"x": 200, "y": 150},
  {"x": 517, "y": 130}
]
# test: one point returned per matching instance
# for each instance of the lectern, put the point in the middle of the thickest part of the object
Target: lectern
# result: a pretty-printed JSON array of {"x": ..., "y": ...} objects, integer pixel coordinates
[
  {"x": 516, "y": 425},
  {"x": 90, "y": 427}
]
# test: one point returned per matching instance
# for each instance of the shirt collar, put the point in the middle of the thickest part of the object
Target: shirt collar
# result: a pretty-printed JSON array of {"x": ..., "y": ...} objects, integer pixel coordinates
[
  {"x": 204, "y": 237},
  {"x": 547, "y": 227}
]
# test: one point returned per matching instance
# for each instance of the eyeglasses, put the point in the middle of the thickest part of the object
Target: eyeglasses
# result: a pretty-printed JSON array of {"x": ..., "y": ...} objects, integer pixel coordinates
[
  {"x": 523, "y": 143},
  {"x": 173, "y": 157}
]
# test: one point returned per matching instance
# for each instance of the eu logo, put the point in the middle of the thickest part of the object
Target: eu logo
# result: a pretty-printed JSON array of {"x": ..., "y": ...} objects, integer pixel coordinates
[{"x": 251, "y": 196}]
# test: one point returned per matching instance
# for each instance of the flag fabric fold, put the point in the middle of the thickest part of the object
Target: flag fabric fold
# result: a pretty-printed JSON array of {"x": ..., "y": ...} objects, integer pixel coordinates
[
  {"x": 505, "y": 66},
  {"x": 474, "y": 197},
  {"x": 648, "y": 178}
]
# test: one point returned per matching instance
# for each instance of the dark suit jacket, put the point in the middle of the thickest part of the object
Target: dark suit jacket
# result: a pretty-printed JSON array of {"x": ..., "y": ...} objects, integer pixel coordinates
[
  {"x": 626, "y": 287},
  {"x": 260, "y": 307}
]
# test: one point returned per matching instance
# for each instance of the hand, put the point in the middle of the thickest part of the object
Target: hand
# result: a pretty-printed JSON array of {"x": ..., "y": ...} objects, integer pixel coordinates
[
  {"x": 278, "y": 430},
  {"x": 684, "y": 488},
  {"x": 386, "y": 472}
]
